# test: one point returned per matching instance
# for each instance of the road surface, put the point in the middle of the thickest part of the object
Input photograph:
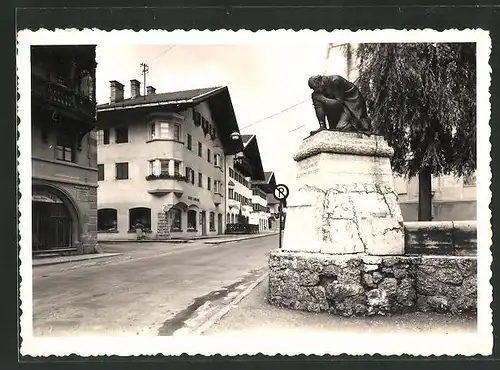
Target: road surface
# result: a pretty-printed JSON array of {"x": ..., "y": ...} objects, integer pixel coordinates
[{"x": 151, "y": 289}]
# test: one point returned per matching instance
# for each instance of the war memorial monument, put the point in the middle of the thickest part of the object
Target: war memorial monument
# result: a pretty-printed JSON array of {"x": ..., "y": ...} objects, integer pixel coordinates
[{"x": 344, "y": 243}]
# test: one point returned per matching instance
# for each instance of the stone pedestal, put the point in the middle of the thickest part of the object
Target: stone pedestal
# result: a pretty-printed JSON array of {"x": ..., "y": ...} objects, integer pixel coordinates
[{"x": 344, "y": 201}]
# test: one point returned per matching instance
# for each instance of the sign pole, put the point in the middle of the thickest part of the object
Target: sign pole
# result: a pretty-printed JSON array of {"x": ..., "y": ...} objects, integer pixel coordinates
[
  {"x": 281, "y": 220},
  {"x": 281, "y": 192}
]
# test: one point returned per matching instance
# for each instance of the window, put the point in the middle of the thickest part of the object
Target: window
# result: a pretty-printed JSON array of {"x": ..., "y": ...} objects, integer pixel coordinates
[
  {"x": 151, "y": 167},
  {"x": 121, "y": 135},
  {"x": 170, "y": 130},
  {"x": 65, "y": 147},
  {"x": 217, "y": 160},
  {"x": 200, "y": 149},
  {"x": 139, "y": 218},
  {"x": 212, "y": 221},
  {"x": 105, "y": 136},
  {"x": 200, "y": 180},
  {"x": 176, "y": 217},
  {"x": 100, "y": 172},
  {"x": 86, "y": 87},
  {"x": 209, "y": 183},
  {"x": 152, "y": 131},
  {"x": 165, "y": 130},
  {"x": 190, "y": 175},
  {"x": 100, "y": 137},
  {"x": 218, "y": 187},
  {"x": 121, "y": 171},
  {"x": 177, "y": 168},
  {"x": 191, "y": 220},
  {"x": 231, "y": 173},
  {"x": 164, "y": 167},
  {"x": 189, "y": 142},
  {"x": 107, "y": 220},
  {"x": 209, "y": 156},
  {"x": 231, "y": 194}
]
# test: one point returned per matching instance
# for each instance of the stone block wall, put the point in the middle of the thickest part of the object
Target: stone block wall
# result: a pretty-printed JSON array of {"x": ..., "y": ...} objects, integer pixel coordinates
[
  {"x": 366, "y": 285},
  {"x": 448, "y": 238}
]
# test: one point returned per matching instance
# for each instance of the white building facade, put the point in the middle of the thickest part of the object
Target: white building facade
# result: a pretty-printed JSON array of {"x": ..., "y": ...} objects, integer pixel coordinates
[{"x": 162, "y": 163}]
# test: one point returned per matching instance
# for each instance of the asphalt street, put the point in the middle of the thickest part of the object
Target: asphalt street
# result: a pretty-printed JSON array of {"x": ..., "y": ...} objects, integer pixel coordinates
[{"x": 151, "y": 289}]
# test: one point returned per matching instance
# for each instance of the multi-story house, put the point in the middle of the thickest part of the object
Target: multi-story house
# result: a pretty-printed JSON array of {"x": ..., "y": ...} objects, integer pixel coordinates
[
  {"x": 259, "y": 213},
  {"x": 64, "y": 156},
  {"x": 162, "y": 162},
  {"x": 243, "y": 168},
  {"x": 453, "y": 198}
]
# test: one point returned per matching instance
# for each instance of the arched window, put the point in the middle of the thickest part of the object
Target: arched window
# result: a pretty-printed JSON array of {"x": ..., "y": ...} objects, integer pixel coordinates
[
  {"x": 176, "y": 217},
  {"x": 139, "y": 217},
  {"x": 191, "y": 220},
  {"x": 228, "y": 219},
  {"x": 212, "y": 221},
  {"x": 232, "y": 218},
  {"x": 107, "y": 220}
]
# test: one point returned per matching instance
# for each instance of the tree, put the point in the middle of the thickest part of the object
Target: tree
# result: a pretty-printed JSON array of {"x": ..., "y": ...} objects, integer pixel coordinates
[{"x": 422, "y": 99}]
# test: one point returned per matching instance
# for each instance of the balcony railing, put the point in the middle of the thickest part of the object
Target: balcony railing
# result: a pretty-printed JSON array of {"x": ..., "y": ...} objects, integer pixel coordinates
[{"x": 62, "y": 96}]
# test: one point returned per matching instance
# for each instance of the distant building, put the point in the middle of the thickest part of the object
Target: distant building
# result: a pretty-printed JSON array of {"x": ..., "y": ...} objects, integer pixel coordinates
[
  {"x": 64, "y": 156},
  {"x": 453, "y": 199},
  {"x": 166, "y": 163},
  {"x": 259, "y": 214}
]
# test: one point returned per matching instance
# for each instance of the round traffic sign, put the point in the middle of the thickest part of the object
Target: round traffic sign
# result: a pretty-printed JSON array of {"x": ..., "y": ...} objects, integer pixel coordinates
[{"x": 281, "y": 192}]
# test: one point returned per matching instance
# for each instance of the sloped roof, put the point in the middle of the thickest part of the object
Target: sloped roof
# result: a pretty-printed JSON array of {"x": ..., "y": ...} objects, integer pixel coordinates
[
  {"x": 134, "y": 110},
  {"x": 252, "y": 153},
  {"x": 246, "y": 139},
  {"x": 169, "y": 98}
]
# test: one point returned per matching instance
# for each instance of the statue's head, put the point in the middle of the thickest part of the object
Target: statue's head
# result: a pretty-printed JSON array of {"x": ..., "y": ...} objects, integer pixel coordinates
[{"x": 316, "y": 82}]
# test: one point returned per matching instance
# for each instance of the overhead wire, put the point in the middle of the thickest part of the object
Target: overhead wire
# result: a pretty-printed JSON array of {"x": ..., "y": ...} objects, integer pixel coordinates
[{"x": 275, "y": 114}]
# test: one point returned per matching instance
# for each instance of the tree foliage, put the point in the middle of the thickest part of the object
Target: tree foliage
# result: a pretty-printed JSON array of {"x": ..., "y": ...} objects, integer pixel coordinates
[{"x": 422, "y": 98}]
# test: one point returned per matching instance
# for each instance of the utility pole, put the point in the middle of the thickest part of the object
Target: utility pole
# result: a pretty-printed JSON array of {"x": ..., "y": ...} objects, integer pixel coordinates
[{"x": 145, "y": 70}]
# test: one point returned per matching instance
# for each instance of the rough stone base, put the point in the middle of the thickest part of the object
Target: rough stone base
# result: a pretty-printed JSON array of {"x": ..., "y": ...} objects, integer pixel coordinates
[{"x": 359, "y": 284}]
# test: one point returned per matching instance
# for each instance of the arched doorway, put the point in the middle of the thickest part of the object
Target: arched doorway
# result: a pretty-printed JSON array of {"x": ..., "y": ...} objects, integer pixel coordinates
[{"x": 55, "y": 222}]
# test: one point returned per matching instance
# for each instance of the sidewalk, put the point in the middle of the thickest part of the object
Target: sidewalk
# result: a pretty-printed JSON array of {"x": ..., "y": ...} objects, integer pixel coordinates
[
  {"x": 210, "y": 239},
  {"x": 253, "y": 316},
  {"x": 66, "y": 259}
]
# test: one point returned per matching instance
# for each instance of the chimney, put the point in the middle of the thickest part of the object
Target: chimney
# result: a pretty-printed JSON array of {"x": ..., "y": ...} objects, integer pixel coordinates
[
  {"x": 116, "y": 91},
  {"x": 135, "y": 89},
  {"x": 151, "y": 90}
]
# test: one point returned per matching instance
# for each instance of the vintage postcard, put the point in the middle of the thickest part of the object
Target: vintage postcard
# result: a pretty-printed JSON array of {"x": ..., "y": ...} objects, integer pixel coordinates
[{"x": 275, "y": 192}]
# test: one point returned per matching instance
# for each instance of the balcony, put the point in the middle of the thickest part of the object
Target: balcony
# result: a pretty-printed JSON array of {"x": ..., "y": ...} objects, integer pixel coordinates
[
  {"x": 163, "y": 184},
  {"x": 243, "y": 165},
  {"x": 217, "y": 199},
  {"x": 232, "y": 203}
]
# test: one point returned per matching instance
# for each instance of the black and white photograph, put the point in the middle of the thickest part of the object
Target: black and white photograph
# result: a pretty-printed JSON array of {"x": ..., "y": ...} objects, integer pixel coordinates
[{"x": 275, "y": 192}]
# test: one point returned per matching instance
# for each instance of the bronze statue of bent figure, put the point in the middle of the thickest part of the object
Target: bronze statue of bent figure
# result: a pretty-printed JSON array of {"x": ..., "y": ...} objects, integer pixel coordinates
[{"x": 341, "y": 102}]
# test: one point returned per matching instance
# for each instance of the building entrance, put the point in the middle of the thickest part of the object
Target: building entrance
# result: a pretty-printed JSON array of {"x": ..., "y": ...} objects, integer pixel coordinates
[{"x": 52, "y": 222}]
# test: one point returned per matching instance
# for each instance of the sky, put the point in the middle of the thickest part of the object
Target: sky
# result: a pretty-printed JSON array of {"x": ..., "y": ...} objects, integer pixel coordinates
[{"x": 267, "y": 84}]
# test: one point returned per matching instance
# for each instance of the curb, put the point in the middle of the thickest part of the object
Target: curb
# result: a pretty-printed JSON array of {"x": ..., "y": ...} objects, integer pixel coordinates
[
  {"x": 171, "y": 241},
  {"x": 221, "y": 313},
  {"x": 58, "y": 262},
  {"x": 240, "y": 239}
]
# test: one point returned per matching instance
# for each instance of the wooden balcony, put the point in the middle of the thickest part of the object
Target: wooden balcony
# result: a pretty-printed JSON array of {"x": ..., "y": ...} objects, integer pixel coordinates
[
  {"x": 244, "y": 166},
  {"x": 63, "y": 97}
]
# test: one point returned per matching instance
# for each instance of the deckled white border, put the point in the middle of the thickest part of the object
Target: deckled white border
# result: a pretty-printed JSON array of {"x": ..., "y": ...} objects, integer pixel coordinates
[{"x": 273, "y": 343}]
